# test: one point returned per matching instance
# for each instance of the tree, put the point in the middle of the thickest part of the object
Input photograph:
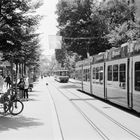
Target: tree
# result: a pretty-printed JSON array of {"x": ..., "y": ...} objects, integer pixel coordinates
[
  {"x": 17, "y": 31},
  {"x": 60, "y": 56},
  {"x": 120, "y": 19},
  {"x": 82, "y": 27}
]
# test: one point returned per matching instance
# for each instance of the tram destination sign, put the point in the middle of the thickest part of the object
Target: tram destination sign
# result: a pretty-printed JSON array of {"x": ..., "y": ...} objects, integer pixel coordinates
[
  {"x": 98, "y": 58},
  {"x": 117, "y": 53}
]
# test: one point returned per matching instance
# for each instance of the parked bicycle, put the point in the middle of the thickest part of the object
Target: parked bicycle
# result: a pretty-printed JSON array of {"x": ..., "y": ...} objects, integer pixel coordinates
[{"x": 11, "y": 103}]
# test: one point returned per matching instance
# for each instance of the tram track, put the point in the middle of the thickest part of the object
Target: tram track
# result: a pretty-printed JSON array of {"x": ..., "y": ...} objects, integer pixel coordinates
[
  {"x": 59, "y": 124},
  {"x": 102, "y": 134},
  {"x": 110, "y": 118}
]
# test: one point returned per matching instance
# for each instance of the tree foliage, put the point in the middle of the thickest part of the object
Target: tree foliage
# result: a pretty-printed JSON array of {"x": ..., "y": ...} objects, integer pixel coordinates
[
  {"x": 18, "y": 40},
  {"x": 88, "y": 26},
  {"x": 82, "y": 27},
  {"x": 121, "y": 22}
]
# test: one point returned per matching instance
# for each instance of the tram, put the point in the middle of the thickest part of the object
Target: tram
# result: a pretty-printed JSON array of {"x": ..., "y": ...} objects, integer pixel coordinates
[
  {"x": 113, "y": 75},
  {"x": 61, "y": 75}
]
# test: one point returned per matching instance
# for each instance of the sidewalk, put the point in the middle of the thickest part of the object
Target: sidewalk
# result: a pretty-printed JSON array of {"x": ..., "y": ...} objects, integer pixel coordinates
[
  {"x": 35, "y": 122},
  {"x": 55, "y": 112},
  {"x": 84, "y": 117}
]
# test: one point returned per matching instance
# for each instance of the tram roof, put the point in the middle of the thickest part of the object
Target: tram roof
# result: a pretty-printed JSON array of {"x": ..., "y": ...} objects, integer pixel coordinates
[{"x": 125, "y": 50}]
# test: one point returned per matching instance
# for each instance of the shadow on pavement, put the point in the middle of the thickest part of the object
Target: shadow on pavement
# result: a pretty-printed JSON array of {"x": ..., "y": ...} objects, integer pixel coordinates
[
  {"x": 30, "y": 99},
  {"x": 35, "y": 91},
  {"x": 7, "y": 123},
  {"x": 85, "y": 99},
  {"x": 69, "y": 86},
  {"x": 33, "y": 95},
  {"x": 36, "y": 82}
]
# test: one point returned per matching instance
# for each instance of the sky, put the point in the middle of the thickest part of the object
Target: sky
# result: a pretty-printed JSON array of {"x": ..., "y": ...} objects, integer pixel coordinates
[{"x": 47, "y": 24}]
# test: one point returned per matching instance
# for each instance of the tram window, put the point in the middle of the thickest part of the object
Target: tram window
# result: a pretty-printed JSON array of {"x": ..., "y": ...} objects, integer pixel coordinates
[
  {"x": 101, "y": 74},
  {"x": 63, "y": 73},
  {"x": 122, "y": 67},
  {"x": 84, "y": 71},
  {"x": 85, "y": 74},
  {"x": 76, "y": 74},
  {"x": 109, "y": 73},
  {"x": 115, "y": 72},
  {"x": 137, "y": 76},
  {"x": 80, "y": 74},
  {"x": 122, "y": 72},
  {"x": 94, "y": 74},
  {"x": 88, "y": 75},
  {"x": 122, "y": 76},
  {"x": 97, "y": 73}
]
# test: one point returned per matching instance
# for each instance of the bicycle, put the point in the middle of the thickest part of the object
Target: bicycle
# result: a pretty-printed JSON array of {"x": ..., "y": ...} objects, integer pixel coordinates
[
  {"x": 4, "y": 103},
  {"x": 11, "y": 103}
]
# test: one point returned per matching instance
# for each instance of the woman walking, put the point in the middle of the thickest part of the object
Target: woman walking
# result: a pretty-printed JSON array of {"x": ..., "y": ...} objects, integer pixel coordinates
[
  {"x": 26, "y": 80},
  {"x": 21, "y": 86}
]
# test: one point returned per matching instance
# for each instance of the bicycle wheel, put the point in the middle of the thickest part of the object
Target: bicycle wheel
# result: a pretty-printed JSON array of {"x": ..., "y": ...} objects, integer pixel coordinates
[
  {"x": 16, "y": 107},
  {"x": 6, "y": 104}
]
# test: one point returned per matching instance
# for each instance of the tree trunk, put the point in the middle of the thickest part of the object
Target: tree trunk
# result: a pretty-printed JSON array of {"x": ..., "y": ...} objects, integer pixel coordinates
[
  {"x": 22, "y": 69},
  {"x": 12, "y": 74},
  {"x": 16, "y": 77}
]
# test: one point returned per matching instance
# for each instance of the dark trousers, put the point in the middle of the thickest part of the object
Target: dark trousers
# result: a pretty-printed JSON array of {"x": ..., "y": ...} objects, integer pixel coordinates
[
  {"x": 8, "y": 84},
  {"x": 25, "y": 93},
  {"x": 21, "y": 93}
]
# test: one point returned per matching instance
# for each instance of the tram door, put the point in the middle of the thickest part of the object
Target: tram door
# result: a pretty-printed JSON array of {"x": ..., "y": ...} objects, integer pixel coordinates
[
  {"x": 135, "y": 83},
  {"x": 79, "y": 76},
  {"x": 98, "y": 80},
  {"x": 86, "y": 79},
  {"x": 116, "y": 81}
]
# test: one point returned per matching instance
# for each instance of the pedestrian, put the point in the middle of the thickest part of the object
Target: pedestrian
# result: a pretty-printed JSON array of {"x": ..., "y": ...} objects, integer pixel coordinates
[
  {"x": 21, "y": 86},
  {"x": 41, "y": 76},
  {"x": 26, "y": 80},
  {"x": 8, "y": 81}
]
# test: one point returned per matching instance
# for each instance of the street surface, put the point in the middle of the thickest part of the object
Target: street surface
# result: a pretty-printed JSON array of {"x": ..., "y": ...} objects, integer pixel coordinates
[{"x": 57, "y": 111}]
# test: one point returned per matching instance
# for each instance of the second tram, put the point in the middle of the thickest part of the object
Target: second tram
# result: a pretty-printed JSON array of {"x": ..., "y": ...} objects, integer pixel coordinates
[{"x": 62, "y": 75}]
